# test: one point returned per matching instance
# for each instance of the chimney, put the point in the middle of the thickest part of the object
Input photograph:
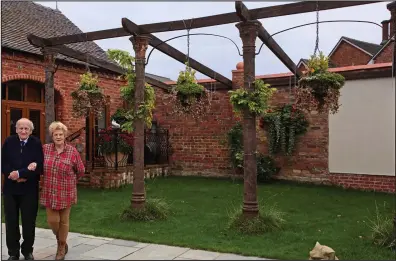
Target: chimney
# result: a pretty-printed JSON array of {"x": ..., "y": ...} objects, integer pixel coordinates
[
  {"x": 392, "y": 8},
  {"x": 385, "y": 31}
]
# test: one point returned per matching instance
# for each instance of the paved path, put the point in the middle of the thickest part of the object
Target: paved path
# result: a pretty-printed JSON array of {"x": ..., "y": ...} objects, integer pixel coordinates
[{"x": 85, "y": 247}]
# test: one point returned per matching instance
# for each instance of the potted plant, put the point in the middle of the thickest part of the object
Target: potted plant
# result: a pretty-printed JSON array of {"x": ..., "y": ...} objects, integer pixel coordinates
[
  {"x": 114, "y": 142},
  {"x": 319, "y": 89},
  {"x": 88, "y": 97},
  {"x": 255, "y": 101},
  {"x": 189, "y": 97}
]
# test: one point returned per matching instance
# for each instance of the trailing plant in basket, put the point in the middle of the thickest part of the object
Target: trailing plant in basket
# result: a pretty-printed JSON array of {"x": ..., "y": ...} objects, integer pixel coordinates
[
  {"x": 189, "y": 97},
  {"x": 255, "y": 101},
  {"x": 284, "y": 125},
  {"x": 319, "y": 89},
  {"x": 144, "y": 111},
  {"x": 88, "y": 98}
]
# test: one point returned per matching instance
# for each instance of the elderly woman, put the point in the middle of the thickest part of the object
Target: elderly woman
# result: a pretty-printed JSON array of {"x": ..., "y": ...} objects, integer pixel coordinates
[{"x": 62, "y": 168}]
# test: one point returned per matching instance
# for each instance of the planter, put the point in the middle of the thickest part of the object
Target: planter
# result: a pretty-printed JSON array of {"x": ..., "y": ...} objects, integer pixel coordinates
[{"x": 110, "y": 159}]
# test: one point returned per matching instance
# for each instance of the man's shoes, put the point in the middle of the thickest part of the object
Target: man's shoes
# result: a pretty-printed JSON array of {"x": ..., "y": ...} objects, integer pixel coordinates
[
  {"x": 29, "y": 257},
  {"x": 13, "y": 258}
]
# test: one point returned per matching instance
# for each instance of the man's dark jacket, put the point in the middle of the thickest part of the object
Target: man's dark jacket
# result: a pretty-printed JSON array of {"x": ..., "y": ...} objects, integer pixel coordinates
[{"x": 16, "y": 157}]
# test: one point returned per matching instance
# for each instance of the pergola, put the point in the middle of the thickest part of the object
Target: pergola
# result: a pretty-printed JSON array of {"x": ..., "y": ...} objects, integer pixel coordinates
[{"x": 249, "y": 28}]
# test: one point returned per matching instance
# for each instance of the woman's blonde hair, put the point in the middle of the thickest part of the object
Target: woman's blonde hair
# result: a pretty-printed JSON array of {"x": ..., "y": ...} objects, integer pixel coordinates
[{"x": 57, "y": 125}]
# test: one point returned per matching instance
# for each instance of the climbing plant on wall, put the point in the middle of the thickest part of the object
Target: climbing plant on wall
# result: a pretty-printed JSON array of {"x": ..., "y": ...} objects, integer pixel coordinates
[
  {"x": 129, "y": 114},
  {"x": 284, "y": 125},
  {"x": 266, "y": 166}
]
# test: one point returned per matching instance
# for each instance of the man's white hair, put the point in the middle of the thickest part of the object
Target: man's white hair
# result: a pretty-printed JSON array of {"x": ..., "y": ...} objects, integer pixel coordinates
[{"x": 27, "y": 121}]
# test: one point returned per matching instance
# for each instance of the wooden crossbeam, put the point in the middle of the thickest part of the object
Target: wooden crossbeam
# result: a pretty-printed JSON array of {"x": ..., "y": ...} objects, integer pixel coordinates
[
  {"x": 227, "y": 18},
  {"x": 165, "y": 48},
  {"x": 84, "y": 57},
  {"x": 244, "y": 14}
]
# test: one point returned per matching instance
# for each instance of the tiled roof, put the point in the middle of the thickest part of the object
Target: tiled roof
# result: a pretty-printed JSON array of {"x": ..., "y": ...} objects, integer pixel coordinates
[
  {"x": 368, "y": 47},
  {"x": 20, "y": 18}
]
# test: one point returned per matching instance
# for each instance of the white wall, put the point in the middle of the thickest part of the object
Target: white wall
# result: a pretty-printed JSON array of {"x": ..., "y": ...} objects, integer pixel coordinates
[{"x": 362, "y": 133}]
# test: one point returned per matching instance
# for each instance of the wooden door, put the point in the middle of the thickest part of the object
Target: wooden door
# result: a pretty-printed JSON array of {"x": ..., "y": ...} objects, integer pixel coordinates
[{"x": 13, "y": 111}]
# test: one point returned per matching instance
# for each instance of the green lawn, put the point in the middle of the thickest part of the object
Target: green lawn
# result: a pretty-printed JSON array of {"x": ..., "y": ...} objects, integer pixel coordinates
[{"x": 201, "y": 206}]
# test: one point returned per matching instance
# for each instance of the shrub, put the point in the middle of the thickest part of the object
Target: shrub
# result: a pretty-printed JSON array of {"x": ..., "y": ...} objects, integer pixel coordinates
[
  {"x": 270, "y": 219},
  {"x": 154, "y": 209},
  {"x": 381, "y": 226},
  {"x": 266, "y": 168}
]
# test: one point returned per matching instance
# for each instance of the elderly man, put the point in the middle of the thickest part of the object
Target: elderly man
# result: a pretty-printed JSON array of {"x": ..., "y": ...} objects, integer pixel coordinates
[{"x": 22, "y": 163}]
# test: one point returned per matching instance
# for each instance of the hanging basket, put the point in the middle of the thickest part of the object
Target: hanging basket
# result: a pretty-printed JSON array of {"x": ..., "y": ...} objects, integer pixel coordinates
[
  {"x": 188, "y": 97},
  {"x": 88, "y": 98},
  {"x": 319, "y": 89}
]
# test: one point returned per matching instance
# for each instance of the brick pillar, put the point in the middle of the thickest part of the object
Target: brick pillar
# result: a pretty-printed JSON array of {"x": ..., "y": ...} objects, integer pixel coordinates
[
  {"x": 237, "y": 76},
  {"x": 392, "y": 8},
  {"x": 49, "y": 67},
  {"x": 140, "y": 44},
  {"x": 385, "y": 31},
  {"x": 248, "y": 32}
]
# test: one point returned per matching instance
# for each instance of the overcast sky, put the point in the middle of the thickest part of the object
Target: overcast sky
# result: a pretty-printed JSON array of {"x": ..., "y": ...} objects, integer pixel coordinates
[{"x": 217, "y": 53}]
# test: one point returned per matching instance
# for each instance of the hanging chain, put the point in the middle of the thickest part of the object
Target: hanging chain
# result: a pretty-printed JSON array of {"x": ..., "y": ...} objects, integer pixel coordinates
[
  {"x": 290, "y": 88},
  {"x": 188, "y": 47},
  {"x": 87, "y": 62},
  {"x": 188, "y": 43},
  {"x": 317, "y": 28}
]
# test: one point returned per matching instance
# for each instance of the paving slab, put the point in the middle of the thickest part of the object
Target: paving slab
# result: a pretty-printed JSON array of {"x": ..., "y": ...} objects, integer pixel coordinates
[
  {"x": 237, "y": 257},
  {"x": 111, "y": 252},
  {"x": 88, "y": 247},
  {"x": 200, "y": 255},
  {"x": 157, "y": 252}
]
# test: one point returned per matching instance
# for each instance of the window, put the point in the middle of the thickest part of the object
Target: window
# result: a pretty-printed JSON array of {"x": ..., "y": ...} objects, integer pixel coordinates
[
  {"x": 27, "y": 91},
  {"x": 15, "y": 91}
]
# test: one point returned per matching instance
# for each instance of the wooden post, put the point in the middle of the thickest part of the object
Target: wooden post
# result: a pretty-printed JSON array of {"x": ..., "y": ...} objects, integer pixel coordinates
[
  {"x": 140, "y": 44},
  {"x": 248, "y": 33},
  {"x": 49, "y": 63}
]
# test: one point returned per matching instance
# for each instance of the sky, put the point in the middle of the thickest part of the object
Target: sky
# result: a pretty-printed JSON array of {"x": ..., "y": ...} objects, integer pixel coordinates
[{"x": 220, "y": 54}]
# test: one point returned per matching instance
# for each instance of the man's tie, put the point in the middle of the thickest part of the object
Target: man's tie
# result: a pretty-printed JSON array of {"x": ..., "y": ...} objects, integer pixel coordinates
[{"x": 22, "y": 144}]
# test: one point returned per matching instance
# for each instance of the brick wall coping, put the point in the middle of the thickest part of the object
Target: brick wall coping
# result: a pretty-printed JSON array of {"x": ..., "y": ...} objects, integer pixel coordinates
[{"x": 349, "y": 72}]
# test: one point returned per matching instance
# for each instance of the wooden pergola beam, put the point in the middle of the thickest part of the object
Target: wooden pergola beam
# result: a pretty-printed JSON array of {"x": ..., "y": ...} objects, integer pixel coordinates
[
  {"x": 213, "y": 20},
  {"x": 88, "y": 58},
  {"x": 244, "y": 14},
  {"x": 165, "y": 48}
]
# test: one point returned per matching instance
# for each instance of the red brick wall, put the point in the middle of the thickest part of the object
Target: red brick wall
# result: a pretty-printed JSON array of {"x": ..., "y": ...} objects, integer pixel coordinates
[
  {"x": 386, "y": 55},
  {"x": 348, "y": 55},
  {"x": 309, "y": 162},
  {"x": 16, "y": 66},
  {"x": 366, "y": 182},
  {"x": 198, "y": 146}
]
